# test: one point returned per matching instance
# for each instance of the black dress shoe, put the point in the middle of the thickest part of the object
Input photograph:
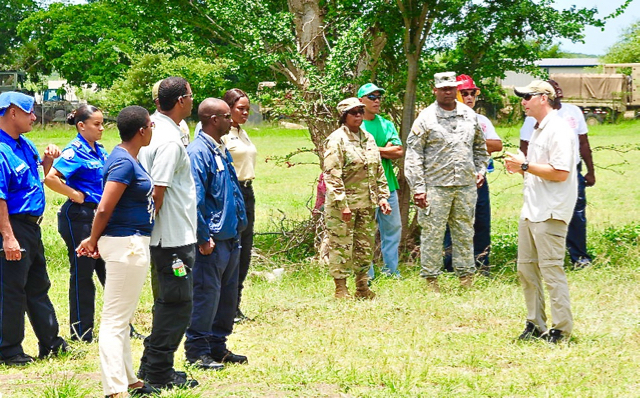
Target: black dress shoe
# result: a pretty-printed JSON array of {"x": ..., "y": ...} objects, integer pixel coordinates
[
  {"x": 17, "y": 360},
  {"x": 55, "y": 351},
  {"x": 207, "y": 363},
  {"x": 177, "y": 380},
  {"x": 145, "y": 390},
  {"x": 230, "y": 357}
]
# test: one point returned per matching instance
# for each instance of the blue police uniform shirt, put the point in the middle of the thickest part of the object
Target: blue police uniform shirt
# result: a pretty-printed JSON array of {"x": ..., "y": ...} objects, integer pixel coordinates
[
  {"x": 20, "y": 185},
  {"x": 135, "y": 211},
  {"x": 81, "y": 167}
]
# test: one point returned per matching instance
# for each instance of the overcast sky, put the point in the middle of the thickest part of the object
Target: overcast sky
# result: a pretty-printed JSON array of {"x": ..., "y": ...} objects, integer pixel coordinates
[{"x": 597, "y": 42}]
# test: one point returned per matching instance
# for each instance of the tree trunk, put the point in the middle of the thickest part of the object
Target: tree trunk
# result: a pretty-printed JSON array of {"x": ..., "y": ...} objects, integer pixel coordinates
[{"x": 408, "y": 116}]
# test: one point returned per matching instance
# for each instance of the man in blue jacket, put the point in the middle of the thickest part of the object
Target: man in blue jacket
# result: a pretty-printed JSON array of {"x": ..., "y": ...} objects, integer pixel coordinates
[{"x": 221, "y": 218}]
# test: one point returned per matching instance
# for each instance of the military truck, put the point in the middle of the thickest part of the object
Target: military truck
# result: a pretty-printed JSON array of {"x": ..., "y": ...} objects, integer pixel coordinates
[
  {"x": 603, "y": 96},
  {"x": 13, "y": 80}
]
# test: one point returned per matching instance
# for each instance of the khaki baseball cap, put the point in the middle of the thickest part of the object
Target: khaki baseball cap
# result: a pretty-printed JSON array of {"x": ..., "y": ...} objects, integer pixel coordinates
[
  {"x": 445, "y": 79},
  {"x": 537, "y": 87},
  {"x": 154, "y": 90}
]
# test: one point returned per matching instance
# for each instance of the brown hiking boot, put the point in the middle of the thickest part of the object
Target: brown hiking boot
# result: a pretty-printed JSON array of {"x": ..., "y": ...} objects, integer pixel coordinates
[
  {"x": 466, "y": 281},
  {"x": 432, "y": 284},
  {"x": 341, "y": 289},
  {"x": 362, "y": 287}
]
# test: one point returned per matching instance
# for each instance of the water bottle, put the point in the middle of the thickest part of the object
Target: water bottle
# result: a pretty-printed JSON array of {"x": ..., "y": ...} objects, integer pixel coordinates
[
  {"x": 490, "y": 167},
  {"x": 178, "y": 267}
]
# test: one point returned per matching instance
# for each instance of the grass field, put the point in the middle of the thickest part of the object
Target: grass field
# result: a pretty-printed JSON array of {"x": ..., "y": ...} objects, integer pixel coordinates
[{"x": 407, "y": 342}]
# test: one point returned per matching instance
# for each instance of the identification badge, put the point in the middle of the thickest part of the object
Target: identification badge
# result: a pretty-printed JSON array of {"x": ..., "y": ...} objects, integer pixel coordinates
[
  {"x": 41, "y": 172},
  {"x": 219, "y": 163}
]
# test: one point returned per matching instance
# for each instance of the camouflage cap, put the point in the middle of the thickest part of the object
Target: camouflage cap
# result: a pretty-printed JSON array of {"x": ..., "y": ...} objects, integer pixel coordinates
[
  {"x": 348, "y": 104},
  {"x": 537, "y": 87},
  {"x": 445, "y": 79}
]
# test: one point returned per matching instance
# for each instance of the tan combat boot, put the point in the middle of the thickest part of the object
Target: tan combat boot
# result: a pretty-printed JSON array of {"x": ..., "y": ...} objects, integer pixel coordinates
[
  {"x": 466, "y": 281},
  {"x": 362, "y": 287},
  {"x": 341, "y": 289},
  {"x": 432, "y": 284}
]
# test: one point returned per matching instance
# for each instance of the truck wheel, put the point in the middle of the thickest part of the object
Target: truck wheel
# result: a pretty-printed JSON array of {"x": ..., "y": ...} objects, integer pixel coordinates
[{"x": 593, "y": 120}]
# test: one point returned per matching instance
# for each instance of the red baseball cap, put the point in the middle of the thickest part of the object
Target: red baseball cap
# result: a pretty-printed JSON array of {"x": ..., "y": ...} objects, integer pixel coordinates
[{"x": 467, "y": 83}]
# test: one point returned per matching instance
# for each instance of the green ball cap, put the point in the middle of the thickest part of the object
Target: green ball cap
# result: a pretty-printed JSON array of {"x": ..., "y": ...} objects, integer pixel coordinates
[{"x": 368, "y": 89}]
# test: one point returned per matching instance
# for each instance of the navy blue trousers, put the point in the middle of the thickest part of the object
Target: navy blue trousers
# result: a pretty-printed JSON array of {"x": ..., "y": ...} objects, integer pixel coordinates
[
  {"x": 577, "y": 232},
  {"x": 74, "y": 225},
  {"x": 215, "y": 300},
  {"x": 24, "y": 287},
  {"x": 482, "y": 232}
]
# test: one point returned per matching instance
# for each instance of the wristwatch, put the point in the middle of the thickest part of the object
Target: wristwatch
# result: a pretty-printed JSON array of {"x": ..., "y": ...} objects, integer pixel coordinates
[{"x": 524, "y": 166}]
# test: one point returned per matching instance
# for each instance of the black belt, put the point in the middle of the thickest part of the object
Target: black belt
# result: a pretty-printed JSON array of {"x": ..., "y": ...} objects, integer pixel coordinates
[
  {"x": 27, "y": 217},
  {"x": 246, "y": 183},
  {"x": 90, "y": 205}
]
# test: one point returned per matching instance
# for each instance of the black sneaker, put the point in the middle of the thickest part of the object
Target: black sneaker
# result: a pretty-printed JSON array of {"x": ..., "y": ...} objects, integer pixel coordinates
[
  {"x": 230, "y": 357},
  {"x": 18, "y": 360},
  {"x": 553, "y": 336},
  {"x": 176, "y": 381},
  {"x": 531, "y": 332},
  {"x": 240, "y": 317},
  {"x": 206, "y": 362}
]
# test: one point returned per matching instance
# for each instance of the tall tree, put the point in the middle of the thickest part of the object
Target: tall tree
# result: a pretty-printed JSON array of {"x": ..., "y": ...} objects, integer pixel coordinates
[
  {"x": 13, "y": 12},
  {"x": 627, "y": 48}
]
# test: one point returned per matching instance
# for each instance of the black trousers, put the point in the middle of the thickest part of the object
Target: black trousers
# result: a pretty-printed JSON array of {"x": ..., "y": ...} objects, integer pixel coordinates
[
  {"x": 246, "y": 238},
  {"x": 24, "y": 287},
  {"x": 577, "y": 232},
  {"x": 74, "y": 225},
  {"x": 171, "y": 312}
]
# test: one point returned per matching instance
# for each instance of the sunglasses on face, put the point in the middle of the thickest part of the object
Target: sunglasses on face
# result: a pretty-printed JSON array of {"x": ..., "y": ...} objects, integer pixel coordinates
[
  {"x": 356, "y": 112},
  {"x": 468, "y": 93},
  {"x": 528, "y": 96},
  {"x": 224, "y": 115},
  {"x": 374, "y": 97},
  {"x": 152, "y": 125}
]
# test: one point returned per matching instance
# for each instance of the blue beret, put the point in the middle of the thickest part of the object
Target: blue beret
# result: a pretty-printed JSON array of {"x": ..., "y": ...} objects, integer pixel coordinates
[{"x": 22, "y": 101}]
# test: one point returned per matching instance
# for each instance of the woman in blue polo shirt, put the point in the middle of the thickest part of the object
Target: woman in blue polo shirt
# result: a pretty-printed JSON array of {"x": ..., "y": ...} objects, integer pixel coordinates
[
  {"x": 120, "y": 233},
  {"x": 77, "y": 174}
]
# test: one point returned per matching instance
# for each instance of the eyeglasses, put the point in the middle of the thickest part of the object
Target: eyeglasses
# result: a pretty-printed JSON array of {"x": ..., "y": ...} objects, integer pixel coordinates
[
  {"x": 356, "y": 112},
  {"x": 528, "y": 96},
  {"x": 186, "y": 95},
  {"x": 152, "y": 125},
  {"x": 374, "y": 97},
  {"x": 468, "y": 93},
  {"x": 224, "y": 115}
]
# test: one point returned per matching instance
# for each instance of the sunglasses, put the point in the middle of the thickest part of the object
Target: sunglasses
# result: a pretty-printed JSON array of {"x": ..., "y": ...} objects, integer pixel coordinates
[
  {"x": 468, "y": 93},
  {"x": 528, "y": 96},
  {"x": 374, "y": 97},
  {"x": 152, "y": 125},
  {"x": 224, "y": 115},
  {"x": 356, "y": 112}
]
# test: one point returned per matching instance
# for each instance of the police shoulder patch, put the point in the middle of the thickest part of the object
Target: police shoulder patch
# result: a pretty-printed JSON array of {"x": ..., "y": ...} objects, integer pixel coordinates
[
  {"x": 76, "y": 143},
  {"x": 68, "y": 154}
]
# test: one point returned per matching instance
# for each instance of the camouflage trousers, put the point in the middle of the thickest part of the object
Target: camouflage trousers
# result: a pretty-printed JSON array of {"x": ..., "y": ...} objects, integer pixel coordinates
[
  {"x": 454, "y": 206},
  {"x": 349, "y": 244}
]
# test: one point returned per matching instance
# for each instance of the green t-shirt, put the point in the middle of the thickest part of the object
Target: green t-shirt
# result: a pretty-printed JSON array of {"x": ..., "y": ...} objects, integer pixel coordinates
[{"x": 384, "y": 132}]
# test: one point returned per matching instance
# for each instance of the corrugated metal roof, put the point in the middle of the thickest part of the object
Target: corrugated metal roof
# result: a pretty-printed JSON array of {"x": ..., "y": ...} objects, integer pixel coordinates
[{"x": 546, "y": 62}]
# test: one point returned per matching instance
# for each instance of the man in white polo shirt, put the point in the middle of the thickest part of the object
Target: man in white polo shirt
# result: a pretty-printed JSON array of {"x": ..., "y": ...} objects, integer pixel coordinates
[
  {"x": 577, "y": 232},
  {"x": 174, "y": 234},
  {"x": 550, "y": 192}
]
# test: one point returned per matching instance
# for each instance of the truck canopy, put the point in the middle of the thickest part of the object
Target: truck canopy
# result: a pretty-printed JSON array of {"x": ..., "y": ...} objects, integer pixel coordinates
[{"x": 593, "y": 86}]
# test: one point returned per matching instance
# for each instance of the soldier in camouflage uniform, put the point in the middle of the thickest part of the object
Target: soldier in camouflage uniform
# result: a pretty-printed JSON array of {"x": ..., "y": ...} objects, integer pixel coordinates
[
  {"x": 356, "y": 184},
  {"x": 446, "y": 160}
]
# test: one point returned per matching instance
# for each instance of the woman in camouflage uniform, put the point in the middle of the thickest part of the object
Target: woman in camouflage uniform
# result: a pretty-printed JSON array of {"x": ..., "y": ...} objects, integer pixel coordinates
[{"x": 356, "y": 184}]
